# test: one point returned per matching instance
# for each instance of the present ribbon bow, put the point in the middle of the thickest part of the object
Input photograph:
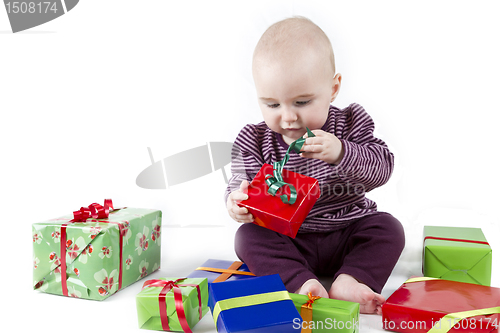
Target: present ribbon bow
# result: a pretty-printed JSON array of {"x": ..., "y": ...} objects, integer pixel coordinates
[
  {"x": 310, "y": 302},
  {"x": 275, "y": 181},
  {"x": 95, "y": 211},
  {"x": 306, "y": 311},
  {"x": 179, "y": 307}
]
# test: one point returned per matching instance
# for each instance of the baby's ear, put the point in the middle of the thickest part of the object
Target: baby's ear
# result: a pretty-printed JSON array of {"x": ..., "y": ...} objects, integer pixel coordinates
[{"x": 337, "y": 80}]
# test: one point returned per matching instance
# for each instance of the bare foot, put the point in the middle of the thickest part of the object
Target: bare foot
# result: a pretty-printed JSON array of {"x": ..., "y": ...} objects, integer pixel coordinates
[
  {"x": 347, "y": 288},
  {"x": 314, "y": 287}
]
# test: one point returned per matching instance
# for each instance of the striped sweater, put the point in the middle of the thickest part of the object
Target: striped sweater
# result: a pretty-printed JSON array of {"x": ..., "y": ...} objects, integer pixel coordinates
[{"x": 367, "y": 164}]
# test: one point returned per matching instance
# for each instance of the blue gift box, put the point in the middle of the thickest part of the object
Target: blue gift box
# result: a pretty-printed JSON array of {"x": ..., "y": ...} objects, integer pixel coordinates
[
  {"x": 204, "y": 272},
  {"x": 219, "y": 264},
  {"x": 259, "y": 304}
]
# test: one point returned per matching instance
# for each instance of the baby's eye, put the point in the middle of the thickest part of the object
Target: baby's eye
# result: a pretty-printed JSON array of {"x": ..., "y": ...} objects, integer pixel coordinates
[
  {"x": 302, "y": 103},
  {"x": 273, "y": 106}
]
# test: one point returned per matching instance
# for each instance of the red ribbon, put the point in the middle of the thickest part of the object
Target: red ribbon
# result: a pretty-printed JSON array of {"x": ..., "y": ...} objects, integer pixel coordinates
[
  {"x": 179, "y": 307},
  {"x": 95, "y": 211},
  {"x": 449, "y": 239},
  {"x": 456, "y": 240}
]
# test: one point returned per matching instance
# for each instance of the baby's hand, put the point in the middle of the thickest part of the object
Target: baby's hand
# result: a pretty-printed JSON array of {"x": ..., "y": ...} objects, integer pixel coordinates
[
  {"x": 239, "y": 214},
  {"x": 324, "y": 146}
]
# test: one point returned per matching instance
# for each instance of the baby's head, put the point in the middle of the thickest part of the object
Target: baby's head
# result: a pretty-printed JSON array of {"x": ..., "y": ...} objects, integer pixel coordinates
[{"x": 294, "y": 74}]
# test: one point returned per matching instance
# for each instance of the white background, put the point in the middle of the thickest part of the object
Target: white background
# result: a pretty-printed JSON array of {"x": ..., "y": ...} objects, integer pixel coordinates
[{"x": 83, "y": 96}]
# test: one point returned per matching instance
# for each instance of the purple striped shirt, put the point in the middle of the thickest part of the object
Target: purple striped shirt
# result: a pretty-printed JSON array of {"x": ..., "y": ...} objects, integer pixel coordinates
[{"x": 367, "y": 164}]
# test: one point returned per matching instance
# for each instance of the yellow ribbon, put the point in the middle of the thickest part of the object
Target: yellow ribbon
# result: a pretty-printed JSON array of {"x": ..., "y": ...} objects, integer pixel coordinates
[
  {"x": 420, "y": 279},
  {"x": 239, "y": 302},
  {"x": 444, "y": 325},
  {"x": 306, "y": 311},
  {"x": 447, "y": 322}
]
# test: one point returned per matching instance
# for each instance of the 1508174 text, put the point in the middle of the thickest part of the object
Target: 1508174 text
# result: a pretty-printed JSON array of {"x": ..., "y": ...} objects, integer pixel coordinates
[{"x": 25, "y": 7}]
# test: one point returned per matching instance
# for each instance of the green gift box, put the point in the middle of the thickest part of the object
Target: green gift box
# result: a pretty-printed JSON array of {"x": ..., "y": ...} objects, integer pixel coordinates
[
  {"x": 457, "y": 254},
  {"x": 171, "y": 304},
  {"x": 322, "y": 315},
  {"x": 94, "y": 257}
]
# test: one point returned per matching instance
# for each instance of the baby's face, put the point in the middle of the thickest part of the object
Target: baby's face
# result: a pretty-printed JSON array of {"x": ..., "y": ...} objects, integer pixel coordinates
[{"x": 294, "y": 94}]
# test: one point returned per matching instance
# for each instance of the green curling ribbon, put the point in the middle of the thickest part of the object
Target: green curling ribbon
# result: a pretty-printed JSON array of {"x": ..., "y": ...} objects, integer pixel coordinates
[{"x": 275, "y": 181}]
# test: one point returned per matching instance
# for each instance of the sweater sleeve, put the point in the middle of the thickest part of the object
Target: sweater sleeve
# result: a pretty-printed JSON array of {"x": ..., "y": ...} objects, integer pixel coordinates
[
  {"x": 367, "y": 160},
  {"x": 246, "y": 159}
]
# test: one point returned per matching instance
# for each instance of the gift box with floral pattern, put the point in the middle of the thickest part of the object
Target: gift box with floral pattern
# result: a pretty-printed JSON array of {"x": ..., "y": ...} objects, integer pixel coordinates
[{"x": 97, "y": 251}]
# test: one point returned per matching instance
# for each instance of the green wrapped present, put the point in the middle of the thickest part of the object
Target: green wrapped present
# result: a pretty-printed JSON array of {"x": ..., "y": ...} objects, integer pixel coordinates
[
  {"x": 97, "y": 251},
  {"x": 457, "y": 254},
  {"x": 172, "y": 304},
  {"x": 325, "y": 315}
]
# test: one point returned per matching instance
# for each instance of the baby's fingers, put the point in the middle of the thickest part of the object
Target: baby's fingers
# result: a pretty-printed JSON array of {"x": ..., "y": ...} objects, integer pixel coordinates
[
  {"x": 238, "y": 196},
  {"x": 239, "y": 211},
  {"x": 244, "y": 186},
  {"x": 311, "y": 148},
  {"x": 246, "y": 218},
  {"x": 241, "y": 214}
]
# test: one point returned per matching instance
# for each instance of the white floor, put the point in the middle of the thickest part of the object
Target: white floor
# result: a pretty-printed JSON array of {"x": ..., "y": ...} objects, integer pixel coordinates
[{"x": 184, "y": 249}]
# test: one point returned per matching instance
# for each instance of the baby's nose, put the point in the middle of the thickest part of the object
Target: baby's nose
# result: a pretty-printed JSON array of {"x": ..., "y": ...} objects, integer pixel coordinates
[{"x": 288, "y": 115}]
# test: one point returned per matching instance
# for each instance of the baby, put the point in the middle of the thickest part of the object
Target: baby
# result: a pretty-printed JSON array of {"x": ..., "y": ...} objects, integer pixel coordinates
[{"x": 344, "y": 236}]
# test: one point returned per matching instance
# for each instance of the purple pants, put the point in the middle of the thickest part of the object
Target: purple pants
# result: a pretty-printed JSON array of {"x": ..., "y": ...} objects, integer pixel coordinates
[{"x": 367, "y": 249}]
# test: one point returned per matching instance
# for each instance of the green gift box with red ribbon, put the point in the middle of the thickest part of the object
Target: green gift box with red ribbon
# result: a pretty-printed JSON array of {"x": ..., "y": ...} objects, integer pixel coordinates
[
  {"x": 172, "y": 304},
  {"x": 96, "y": 251},
  {"x": 457, "y": 254}
]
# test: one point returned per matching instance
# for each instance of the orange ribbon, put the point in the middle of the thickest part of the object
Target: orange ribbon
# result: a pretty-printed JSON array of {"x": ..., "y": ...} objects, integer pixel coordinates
[
  {"x": 226, "y": 273},
  {"x": 306, "y": 312}
]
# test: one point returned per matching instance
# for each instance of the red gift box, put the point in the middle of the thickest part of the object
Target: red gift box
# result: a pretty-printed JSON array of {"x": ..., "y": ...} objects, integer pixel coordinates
[
  {"x": 270, "y": 212},
  {"x": 431, "y": 305}
]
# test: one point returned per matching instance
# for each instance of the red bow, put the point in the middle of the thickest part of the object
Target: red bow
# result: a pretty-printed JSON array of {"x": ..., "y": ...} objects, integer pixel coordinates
[
  {"x": 95, "y": 211},
  {"x": 179, "y": 307}
]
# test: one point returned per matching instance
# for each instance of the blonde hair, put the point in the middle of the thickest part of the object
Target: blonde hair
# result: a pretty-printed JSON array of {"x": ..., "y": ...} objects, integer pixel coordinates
[{"x": 293, "y": 34}]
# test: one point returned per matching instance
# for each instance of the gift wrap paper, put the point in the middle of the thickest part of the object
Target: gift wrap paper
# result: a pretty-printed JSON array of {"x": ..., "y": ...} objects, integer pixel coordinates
[
  {"x": 148, "y": 309},
  {"x": 221, "y": 270},
  {"x": 270, "y": 212},
  {"x": 327, "y": 314},
  {"x": 253, "y": 305},
  {"x": 429, "y": 305},
  {"x": 447, "y": 257},
  {"x": 210, "y": 270},
  {"x": 93, "y": 252}
]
